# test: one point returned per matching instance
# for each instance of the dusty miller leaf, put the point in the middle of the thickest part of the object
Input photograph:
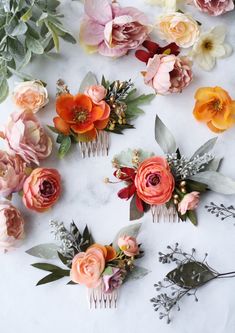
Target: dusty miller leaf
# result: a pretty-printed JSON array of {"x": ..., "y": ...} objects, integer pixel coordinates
[{"x": 45, "y": 251}]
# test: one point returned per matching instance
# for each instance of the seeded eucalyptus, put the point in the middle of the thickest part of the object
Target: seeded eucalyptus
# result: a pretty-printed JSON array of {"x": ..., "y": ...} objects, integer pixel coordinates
[
  {"x": 27, "y": 28},
  {"x": 184, "y": 280},
  {"x": 221, "y": 210}
]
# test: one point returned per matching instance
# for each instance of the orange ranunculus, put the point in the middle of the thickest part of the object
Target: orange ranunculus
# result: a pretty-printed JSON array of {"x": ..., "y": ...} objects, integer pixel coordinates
[
  {"x": 108, "y": 251},
  {"x": 79, "y": 114},
  {"x": 215, "y": 107}
]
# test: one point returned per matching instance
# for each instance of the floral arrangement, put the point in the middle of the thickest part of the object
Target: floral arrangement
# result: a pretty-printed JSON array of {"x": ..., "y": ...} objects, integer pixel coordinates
[
  {"x": 97, "y": 107},
  {"x": 27, "y": 28},
  {"x": 27, "y": 145},
  {"x": 185, "y": 280},
  {"x": 89, "y": 263},
  {"x": 174, "y": 180}
]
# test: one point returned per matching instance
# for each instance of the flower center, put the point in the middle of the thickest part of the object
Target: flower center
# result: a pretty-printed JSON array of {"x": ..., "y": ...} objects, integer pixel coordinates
[
  {"x": 217, "y": 105},
  {"x": 153, "y": 179},
  {"x": 46, "y": 188},
  {"x": 208, "y": 45},
  {"x": 2, "y": 173},
  {"x": 80, "y": 114}
]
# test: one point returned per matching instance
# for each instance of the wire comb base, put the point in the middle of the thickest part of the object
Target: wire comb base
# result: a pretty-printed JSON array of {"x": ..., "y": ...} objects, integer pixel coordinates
[
  {"x": 97, "y": 147},
  {"x": 98, "y": 299},
  {"x": 162, "y": 213}
]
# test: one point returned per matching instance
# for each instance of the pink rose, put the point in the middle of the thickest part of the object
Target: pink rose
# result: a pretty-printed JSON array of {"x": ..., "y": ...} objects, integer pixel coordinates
[
  {"x": 12, "y": 173},
  {"x": 214, "y": 7},
  {"x": 42, "y": 189},
  {"x": 96, "y": 93},
  {"x": 87, "y": 267},
  {"x": 11, "y": 225},
  {"x": 27, "y": 138},
  {"x": 112, "y": 30},
  {"x": 189, "y": 202},
  {"x": 154, "y": 181},
  {"x": 168, "y": 73},
  {"x": 128, "y": 245}
]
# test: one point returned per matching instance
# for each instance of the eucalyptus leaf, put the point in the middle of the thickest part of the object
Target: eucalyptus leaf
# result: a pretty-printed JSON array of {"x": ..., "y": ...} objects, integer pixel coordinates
[
  {"x": 45, "y": 251},
  {"x": 89, "y": 80},
  {"x": 214, "y": 165},
  {"x": 130, "y": 230},
  {"x": 205, "y": 148},
  {"x": 216, "y": 181},
  {"x": 137, "y": 273},
  {"x": 49, "y": 278},
  {"x": 192, "y": 274},
  {"x": 47, "y": 267},
  {"x": 164, "y": 137}
]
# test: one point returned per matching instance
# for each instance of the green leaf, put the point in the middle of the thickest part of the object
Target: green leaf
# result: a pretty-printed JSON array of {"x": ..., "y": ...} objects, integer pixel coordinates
[
  {"x": 125, "y": 157},
  {"x": 20, "y": 29},
  {"x": 192, "y": 274},
  {"x": 34, "y": 45},
  {"x": 26, "y": 60},
  {"x": 4, "y": 90},
  {"x": 54, "y": 35},
  {"x": 214, "y": 165},
  {"x": 47, "y": 267},
  {"x": 196, "y": 186},
  {"x": 130, "y": 230},
  {"x": 53, "y": 129},
  {"x": 27, "y": 15},
  {"x": 16, "y": 49},
  {"x": 192, "y": 216},
  {"x": 133, "y": 111},
  {"x": 45, "y": 251},
  {"x": 216, "y": 182},
  {"x": 64, "y": 260},
  {"x": 135, "y": 214},
  {"x": 205, "y": 148},
  {"x": 142, "y": 99},
  {"x": 137, "y": 273},
  {"x": 49, "y": 278},
  {"x": 164, "y": 137},
  {"x": 89, "y": 80},
  {"x": 69, "y": 38},
  {"x": 64, "y": 146}
]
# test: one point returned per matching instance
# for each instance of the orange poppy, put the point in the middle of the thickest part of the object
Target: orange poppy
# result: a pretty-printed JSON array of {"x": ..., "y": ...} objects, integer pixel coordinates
[
  {"x": 81, "y": 116},
  {"x": 215, "y": 107}
]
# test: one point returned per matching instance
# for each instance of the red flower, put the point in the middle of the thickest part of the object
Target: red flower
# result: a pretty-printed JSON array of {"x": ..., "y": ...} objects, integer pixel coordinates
[{"x": 154, "y": 48}]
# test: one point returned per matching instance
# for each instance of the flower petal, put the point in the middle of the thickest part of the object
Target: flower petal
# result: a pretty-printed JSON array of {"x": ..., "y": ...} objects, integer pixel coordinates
[
  {"x": 61, "y": 125},
  {"x": 219, "y": 33},
  {"x": 82, "y": 128},
  {"x": 205, "y": 61},
  {"x": 91, "y": 33},
  {"x": 64, "y": 105},
  {"x": 99, "y": 11},
  {"x": 88, "y": 136},
  {"x": 115, "y": 52},
  {"x": 83, "y": 101}
]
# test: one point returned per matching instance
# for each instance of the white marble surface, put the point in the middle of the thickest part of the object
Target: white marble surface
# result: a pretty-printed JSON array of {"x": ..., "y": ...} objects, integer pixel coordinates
[{"x": 86, "y": 199}]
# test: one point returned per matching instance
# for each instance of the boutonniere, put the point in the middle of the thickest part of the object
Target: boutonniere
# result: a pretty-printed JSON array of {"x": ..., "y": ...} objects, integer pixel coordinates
[
  {"x": 101, "y": 268},
  {"x": 171, "y": 185},
  {"x": 97, "y": 109},
  {"x": 185, "y": 280}
]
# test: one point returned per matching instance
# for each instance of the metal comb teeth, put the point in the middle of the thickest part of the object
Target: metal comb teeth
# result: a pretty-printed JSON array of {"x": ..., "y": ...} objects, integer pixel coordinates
[
  {"x": 161, "y": 212},
  {"x": 98, "y": 299},
  {"x": 97, "y": 147}
]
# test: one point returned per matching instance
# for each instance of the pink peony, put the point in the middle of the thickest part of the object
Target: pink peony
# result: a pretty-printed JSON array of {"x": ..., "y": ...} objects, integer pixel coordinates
[
  {"x": 189, "y": 202},
  {"x": 42, "y": 189},
  {"x": 128, "y": 245},
  {"x": 27, "y": 138},
  {"x": 214, "y": 7},
  {"x": 12, "y": 173},
  {"x": 168, "y": 73},
  {"x": 11, "y": 225},
  {"x": 112, "y": 30}
]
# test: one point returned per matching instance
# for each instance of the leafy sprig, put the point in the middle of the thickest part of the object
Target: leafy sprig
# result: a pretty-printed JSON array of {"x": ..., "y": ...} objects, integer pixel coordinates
[{"x": 27, "y": 28}]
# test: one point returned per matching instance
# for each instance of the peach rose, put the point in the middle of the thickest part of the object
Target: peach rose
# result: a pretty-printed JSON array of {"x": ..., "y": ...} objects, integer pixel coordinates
[
  {"x": 96, "y": 93},
  {"x": 88, "y": 266},
  {"x": 11, "y": 225},
  {"x": 154, "y": 181},
  {"x": 30, "y": 96},
  {"x": 189, "y": 202},
  {"x": 27, "y": 138},
  {"x": 179, "y": 28},
  {"x": 12, "y": 173},
  {"x": 128, "y": 245},
  {"x": 42, "y": 189}
]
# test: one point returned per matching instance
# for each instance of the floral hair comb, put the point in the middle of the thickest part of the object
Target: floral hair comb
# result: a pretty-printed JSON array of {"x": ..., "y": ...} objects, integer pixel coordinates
[
  {"x": 98, "y": 108},
  {"x": 170, "y": 186},
  {"x": 189, "y": 275},
  {"x": 102, "y": 269}
]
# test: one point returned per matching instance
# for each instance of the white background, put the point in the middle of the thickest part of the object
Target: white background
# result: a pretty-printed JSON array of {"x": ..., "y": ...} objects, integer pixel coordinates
[{"x": 58, "y": 308}]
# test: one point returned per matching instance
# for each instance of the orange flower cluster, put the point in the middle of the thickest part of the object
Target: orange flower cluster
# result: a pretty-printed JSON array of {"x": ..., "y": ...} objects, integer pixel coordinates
[
  {"x": 79, "y": 115},
  {"x": 215, "y": 107}
]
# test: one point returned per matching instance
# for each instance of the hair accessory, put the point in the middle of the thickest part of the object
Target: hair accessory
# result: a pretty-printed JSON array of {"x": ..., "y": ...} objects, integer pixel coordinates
[{"x": 101, "y": 268}]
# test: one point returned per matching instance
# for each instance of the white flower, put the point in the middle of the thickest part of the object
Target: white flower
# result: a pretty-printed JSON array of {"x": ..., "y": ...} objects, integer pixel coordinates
[
  {"x": 169, "y": 5},
  {"x": 210, "y": 46}
]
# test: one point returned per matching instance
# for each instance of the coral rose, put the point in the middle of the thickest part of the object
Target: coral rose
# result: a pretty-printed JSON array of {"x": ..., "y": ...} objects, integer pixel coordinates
[
  {"x": 26, "y": 137},
  {"x": 128, "y": 245},
  {"x": 117, "y": 30},
  {"x": 168, "y": 73},
  {"x": 30, "y": 96},
  {"x": 189, "y": 202},
  {"x": 11, "y": 225},
  {"x": 42, "y": 189},
  {"x": 80, "y": 115},
  {"x": 88, "y": 266},
  {"x": 12, "y": 173},
  {"x": 179, "y": 28},
  {"x": 154, "y": 181},
  {"x": 215, "y": 107},
  {"x": 214, "y": 7}
]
